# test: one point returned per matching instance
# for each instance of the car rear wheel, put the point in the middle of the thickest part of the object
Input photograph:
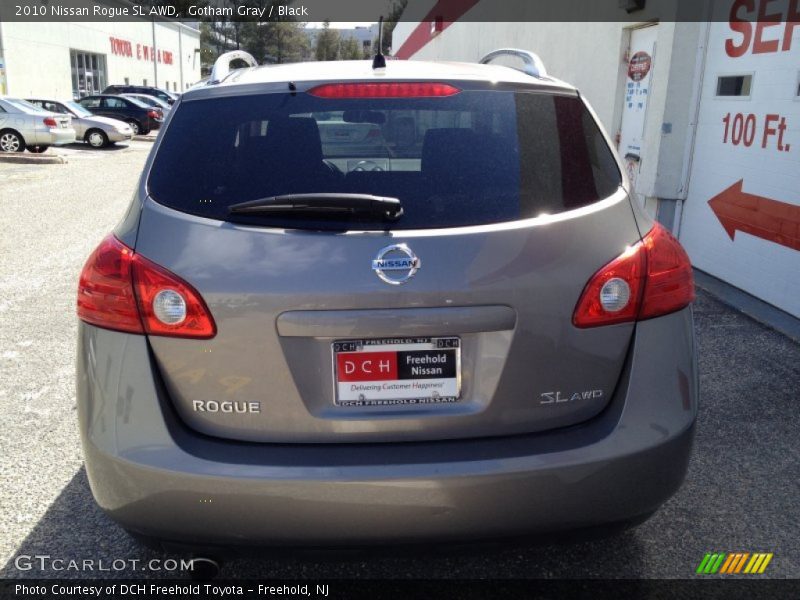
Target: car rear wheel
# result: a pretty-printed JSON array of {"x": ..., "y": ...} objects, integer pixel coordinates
[
  {"x": 11, "y": 141},
  {"x": 137, "y": 130},
  {"x": 36, "y": 149},
  {"x": 96, "y": 138}
]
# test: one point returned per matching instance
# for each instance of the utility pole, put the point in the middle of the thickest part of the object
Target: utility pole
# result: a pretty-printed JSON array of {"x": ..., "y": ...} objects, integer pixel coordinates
[
  {"x": 155, "y": 51},
  {"x": 179, "y": 25}
]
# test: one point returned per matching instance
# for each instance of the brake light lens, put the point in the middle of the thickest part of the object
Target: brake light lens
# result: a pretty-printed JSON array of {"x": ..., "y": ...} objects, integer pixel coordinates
[
  {"x": 152, "y": 114},
  {"x": 670, "y": 282},
  {"x": 105, "y": 293},
  {"x": 168, "y": 305},
  {"x": 384, "y": 90},
  {"x": 123, "y": 291},
  {"x": 650, "y": 279},
  {"x": 50, "y": 122}
]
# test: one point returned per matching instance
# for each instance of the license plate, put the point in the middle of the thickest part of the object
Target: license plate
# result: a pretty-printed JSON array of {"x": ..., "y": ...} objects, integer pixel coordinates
[{"x": 397, "y": 371}]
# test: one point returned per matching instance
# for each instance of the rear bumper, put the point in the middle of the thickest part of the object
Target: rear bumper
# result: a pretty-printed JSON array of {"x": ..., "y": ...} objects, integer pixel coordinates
[
  {"x": 55, "y": 136},
  {"x": 154, "y": 476}
]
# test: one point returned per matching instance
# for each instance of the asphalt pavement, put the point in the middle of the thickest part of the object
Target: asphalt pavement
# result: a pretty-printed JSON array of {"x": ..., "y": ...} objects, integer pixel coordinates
[{"x": 741, "y": 493}]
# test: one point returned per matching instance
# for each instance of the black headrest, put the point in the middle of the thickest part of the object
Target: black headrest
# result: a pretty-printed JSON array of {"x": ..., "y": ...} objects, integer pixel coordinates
[
  {"x": 296, "y": 141},
  {"x": 445, "y": 149}
]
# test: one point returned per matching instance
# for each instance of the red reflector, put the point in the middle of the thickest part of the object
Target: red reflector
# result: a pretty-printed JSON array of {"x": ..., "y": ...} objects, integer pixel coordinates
[
  {"x": 50, "y": 122},
  {"x": 659, "y": 275},
  {"x": 117, "y": 288},
  {"x": 383, "y": 90}
]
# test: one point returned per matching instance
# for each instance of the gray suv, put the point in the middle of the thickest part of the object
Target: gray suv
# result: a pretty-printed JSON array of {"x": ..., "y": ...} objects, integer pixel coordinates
[{"x": 462, "y": 326}]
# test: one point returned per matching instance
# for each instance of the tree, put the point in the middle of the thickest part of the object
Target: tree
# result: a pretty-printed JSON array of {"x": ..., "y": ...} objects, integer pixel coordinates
[
  {"x": 389, "y": 23},
  {"x": 286, "y": 41},
  {"x": 350, "y": 50},
  {"x": 327, "y": 43},
  {"x": 276, "y": 41}
]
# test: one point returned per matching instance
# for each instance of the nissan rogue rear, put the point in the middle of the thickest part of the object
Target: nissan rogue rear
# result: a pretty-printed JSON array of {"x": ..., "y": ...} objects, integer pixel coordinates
[{"x": 406, "y": 303}]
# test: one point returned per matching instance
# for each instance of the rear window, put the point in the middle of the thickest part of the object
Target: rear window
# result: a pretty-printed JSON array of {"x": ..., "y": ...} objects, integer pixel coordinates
[{"x": 477, "y": 157}]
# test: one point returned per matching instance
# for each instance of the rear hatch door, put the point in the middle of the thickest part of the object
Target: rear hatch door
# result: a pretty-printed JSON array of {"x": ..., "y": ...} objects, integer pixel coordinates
[{"x": 451, "y": 321}]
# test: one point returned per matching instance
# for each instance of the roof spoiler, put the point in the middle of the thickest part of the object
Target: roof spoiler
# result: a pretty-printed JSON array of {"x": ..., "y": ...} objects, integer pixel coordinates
[
  {"x": 222, "y": 66},
  {"x": 531, "y": 63}
]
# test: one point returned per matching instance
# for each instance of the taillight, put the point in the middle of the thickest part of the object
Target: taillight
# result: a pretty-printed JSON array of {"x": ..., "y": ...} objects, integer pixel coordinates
[
  {"x": 168, "y": 305},
  {"x": 650, "y": 279},
  {"x": 670, "y": 282},
  {"x": 50, "y": 122},
  {"x": 152, "y": 114},
  {"x": 383, "y": 90},
  {"x": 105, "y": 292},
  {"x": 124, "y": 291}
]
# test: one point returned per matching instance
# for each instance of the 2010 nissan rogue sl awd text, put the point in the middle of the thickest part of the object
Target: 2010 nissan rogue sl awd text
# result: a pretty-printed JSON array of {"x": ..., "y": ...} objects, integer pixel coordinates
[{"x": 410, "y": 302}]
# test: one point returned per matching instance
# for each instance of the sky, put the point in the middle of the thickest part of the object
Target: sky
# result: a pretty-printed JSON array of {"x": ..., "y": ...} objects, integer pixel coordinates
[{"x": 339, "y": 24}]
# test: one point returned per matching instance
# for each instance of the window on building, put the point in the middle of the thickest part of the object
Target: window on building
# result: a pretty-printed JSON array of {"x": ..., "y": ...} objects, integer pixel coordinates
[
  {"x": 366, "y": 44},
  {"x": 88, "y": 73},
  {"x": 734, "y": 85},
  {"x": 166, "y": 85},
  {"x": 144, "y": 81},
  {"x": 127, "y": 81},
  {"x": 174, "y": 86}
]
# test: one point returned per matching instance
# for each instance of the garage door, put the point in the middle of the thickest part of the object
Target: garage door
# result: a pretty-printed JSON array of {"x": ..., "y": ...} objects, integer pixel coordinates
[{"x": 741, "y": 220}]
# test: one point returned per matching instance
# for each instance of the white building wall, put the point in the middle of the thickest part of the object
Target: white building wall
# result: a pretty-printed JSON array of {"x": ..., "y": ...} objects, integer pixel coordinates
[
  {"x": 740, "y": 218},
  {"x": 561, "y": 46},
  {"x": 37, "y": 55},
  {"x": 592, "y": 56}
]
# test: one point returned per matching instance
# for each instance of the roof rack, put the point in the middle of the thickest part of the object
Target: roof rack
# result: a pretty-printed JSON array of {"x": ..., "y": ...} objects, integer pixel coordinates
[
  {"x": 532, "y": 64},
  {"x": 222, "y": 66}
]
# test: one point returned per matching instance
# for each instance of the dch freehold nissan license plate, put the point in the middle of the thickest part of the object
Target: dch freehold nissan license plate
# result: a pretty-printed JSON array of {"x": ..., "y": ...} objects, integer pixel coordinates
[{"x": 397, "y": 371}]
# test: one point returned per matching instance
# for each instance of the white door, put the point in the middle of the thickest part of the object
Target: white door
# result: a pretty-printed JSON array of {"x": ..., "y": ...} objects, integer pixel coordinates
[
  {"x": 90, "y": 89},
  {"x": 641, "y": 60},
  {"x": 741, "y": 218}
]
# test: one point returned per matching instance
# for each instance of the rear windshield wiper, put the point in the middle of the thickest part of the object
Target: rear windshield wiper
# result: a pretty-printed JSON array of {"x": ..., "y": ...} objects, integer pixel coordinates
[{"x": 346, "y": 205}]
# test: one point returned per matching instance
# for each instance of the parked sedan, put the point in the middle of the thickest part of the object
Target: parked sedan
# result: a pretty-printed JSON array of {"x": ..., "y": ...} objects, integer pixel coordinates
[
  {"x": 26, "y": 126},
  {"x": 138, "y": 115},
  {"x": 149, "y": 90},
  {"x": 96, "y": 131},
  {"x": 151, "y": 101}
]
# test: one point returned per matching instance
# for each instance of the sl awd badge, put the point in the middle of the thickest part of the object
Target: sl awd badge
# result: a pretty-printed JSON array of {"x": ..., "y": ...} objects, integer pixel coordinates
[{"x": 396, "y": 264}]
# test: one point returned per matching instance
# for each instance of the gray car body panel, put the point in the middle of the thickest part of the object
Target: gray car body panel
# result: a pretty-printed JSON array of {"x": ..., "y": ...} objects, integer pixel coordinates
[{"x": 156, "y": 476}]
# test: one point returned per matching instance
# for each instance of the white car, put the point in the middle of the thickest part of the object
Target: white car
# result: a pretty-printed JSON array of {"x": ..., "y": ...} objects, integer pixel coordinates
[
  {"x": 95, "y": 130},
  {"x": 26, "y": 126}
]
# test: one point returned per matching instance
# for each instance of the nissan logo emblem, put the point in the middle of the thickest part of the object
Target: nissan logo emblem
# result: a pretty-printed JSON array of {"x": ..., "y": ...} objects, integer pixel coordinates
[{"x": 396, "y": 264}]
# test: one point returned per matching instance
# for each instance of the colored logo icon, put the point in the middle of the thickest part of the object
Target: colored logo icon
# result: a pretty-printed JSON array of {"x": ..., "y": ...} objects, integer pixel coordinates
[{"x": 734, "y": 563}]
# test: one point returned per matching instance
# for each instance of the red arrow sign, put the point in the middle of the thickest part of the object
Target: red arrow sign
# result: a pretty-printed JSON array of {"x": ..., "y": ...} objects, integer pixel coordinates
[{"x": 768, "y": 219}]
